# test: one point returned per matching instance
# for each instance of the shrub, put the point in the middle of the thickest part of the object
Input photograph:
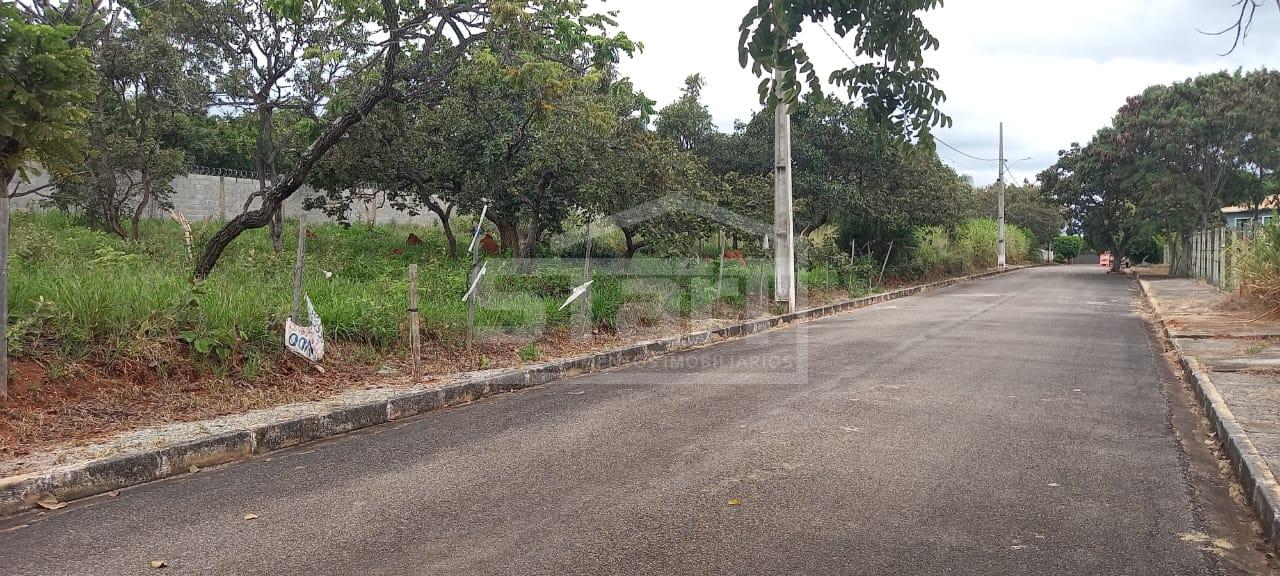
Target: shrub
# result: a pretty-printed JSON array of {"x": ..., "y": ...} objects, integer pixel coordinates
[
  {"x": 932, "y": 252},
  {"x": 974, "y": 248},
  {"x": 1067, "y": 247}
]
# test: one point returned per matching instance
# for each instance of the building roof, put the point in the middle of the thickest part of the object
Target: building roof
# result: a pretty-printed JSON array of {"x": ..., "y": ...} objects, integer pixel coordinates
[{"x": 1271, "y": 203}]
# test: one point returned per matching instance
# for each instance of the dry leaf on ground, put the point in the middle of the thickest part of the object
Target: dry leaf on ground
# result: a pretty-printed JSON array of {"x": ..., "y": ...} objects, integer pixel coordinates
[{"x": 50, "y": 503}]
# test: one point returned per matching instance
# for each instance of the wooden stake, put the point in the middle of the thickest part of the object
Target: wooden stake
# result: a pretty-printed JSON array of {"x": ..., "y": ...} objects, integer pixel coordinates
[
  {"x": 720, "y": 270},
  {"x": 886, "y": 263},
  {"x": 415, "y": 336},
  {"x": 297, "y": 270}
]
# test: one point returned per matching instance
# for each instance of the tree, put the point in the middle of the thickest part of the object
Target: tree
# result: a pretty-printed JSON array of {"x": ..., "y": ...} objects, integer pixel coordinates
[
  {"x": 214, "y": 141},
  {"x": 402, "y": 152},
  {"x": 895, "y": 86},
  {"x": 43, "y": 87},
  {"x": 277, "y": 56},
  {"x": 440, "y": 34},
  {"x": 533, "y": 137},
  {"x": 1244, "y": 187},
  {"x": 848, "y": 170},
  {"x": 1191, "y": 138},
  {"x": 1100, "y": 185},
  {"x": 519, "y": 129},
  {"x": 144, "y": 78},
  {"x": 687, "y": 121},
  {"x": 1026, "y": 205},
  {"x": 647, "y": 188}
]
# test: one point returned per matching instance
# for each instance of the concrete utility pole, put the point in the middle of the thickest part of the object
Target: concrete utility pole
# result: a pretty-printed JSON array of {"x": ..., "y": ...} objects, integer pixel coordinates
[
  {"x": 784, "y": 256},
  {"x": 1000, "y": 181}
]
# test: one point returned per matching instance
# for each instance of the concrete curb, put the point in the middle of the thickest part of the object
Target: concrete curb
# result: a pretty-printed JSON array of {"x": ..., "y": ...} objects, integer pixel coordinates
[
  {"x": 1260, "y": 487},
  {"x": 92, "y": 477}
]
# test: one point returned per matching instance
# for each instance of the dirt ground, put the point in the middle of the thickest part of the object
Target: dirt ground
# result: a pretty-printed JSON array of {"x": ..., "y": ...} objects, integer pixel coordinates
[{"x": 61, "y": 404}]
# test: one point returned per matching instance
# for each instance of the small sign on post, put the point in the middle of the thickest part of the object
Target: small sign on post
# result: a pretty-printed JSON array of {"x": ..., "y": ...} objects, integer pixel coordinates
[
  {"x": 305, "y": 341},
  {"x": 474, "y": 249},
  {"x": 576, "y": 293}
]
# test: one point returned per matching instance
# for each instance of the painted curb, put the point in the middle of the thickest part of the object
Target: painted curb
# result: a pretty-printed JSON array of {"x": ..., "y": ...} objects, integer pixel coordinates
[
  {"x": 1260, "y": 487},
  {"x": 93, "y": 477}
]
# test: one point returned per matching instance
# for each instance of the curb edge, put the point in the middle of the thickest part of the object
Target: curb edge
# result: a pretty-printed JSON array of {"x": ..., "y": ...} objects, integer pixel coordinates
[{"x": 98, "y": 476}]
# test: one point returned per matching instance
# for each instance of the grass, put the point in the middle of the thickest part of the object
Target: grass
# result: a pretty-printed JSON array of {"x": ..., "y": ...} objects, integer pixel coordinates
[
  {"x": 108, "y": 335},
  {"x": 971, "y": 248},
  {"x": 1256, "y": 267},
  {"x": 84, "y": 295}
]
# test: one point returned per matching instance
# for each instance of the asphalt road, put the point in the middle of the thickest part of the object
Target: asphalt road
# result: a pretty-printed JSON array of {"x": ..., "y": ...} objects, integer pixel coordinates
[{"x": 1014, "y": 425}]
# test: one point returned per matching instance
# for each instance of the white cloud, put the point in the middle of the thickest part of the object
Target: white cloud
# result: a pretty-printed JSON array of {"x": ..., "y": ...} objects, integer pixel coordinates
[{"x": 1053, "y": 72}]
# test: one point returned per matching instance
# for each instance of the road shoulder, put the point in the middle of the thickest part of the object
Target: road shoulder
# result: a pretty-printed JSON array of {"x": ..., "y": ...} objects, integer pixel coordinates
[
  {"x": 1227, "y": 358},
  {"x": 153, "y": 454}
]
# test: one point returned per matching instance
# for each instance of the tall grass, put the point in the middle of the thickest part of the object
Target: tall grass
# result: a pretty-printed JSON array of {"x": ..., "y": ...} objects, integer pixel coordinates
[
  {"x": 1256, "y": 266},
  {"x": 973, "y": 247},
  {"x": 85, "y": 294}
]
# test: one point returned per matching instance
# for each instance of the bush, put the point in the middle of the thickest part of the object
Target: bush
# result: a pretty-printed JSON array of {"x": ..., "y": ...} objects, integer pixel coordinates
[
  {"x": 933, "y": 253},
  {"x": 977, "y": 244},
  {"x": 828, "y": 267},
  {"x": 1067, "y": 247},
  {"x": 1148, "y": 250}
]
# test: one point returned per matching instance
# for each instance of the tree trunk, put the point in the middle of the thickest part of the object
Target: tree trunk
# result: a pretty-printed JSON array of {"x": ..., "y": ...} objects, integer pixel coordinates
[
  {"x": 444, "y": 213},
  {"x": 283, "y": 188},
  {"x": 632, "y": 246},
  {"x": 1181, "y": 265},
  {"x": 268, "y": 172},
  {"x": 526, "y": 246},
  {"x": 9, "y": 148},
  {"x": 142, "y": 205},
  {"x": 111, "y": 207},
  {"x": 274, "y": 198},
  {"x": 506, "y": 233}
]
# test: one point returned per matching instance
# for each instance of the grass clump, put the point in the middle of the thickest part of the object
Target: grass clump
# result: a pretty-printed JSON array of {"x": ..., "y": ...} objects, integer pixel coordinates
[{"x": 1256, "y": 266}]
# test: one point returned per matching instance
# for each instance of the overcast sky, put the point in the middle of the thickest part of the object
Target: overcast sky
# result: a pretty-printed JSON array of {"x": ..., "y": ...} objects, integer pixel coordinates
[{"x": 1053, "y": 72}]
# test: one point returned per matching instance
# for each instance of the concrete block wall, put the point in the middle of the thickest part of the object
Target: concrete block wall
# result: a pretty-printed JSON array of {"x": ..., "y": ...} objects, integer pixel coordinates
[{"x": 204, "y": 195}]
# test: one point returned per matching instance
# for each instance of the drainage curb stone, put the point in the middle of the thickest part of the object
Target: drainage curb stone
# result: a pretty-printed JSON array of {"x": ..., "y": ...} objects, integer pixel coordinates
[
  {"x": 92, "y": 477},
  {"x": 1260, "y": 486}
]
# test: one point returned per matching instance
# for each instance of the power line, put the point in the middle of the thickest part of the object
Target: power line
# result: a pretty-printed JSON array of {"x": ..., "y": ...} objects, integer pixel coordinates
[
  {"x": 957, "y": 150},
  {"x": 1010, "y": 172},
  {"x": 939, "y": 140},
  {"x": 838, "y": 46}
]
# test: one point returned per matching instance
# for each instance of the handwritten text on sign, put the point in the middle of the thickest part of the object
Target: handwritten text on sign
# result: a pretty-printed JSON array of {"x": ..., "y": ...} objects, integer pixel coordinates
[{"x": 305, "y": 341}]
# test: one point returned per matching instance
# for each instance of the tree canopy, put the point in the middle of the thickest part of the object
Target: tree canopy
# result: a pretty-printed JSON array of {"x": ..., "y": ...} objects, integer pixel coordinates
[{"x": 1172, "y": 157}]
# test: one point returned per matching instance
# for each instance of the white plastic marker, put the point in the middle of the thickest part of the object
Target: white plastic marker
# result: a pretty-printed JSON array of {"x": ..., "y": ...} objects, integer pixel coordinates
[
  {"x": 475, "y": 237},
  {"x": 471, "y": 291},
  {"x": 305, "y": 341},
  {"x": 577, "y": 293}
]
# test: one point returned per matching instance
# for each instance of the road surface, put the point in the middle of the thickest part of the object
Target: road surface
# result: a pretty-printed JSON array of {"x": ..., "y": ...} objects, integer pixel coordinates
[{"x": 1023, "y": 424}]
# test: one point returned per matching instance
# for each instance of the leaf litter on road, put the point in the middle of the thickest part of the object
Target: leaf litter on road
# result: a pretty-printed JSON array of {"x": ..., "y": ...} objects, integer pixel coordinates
[{"x": 48, "y": 502}]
